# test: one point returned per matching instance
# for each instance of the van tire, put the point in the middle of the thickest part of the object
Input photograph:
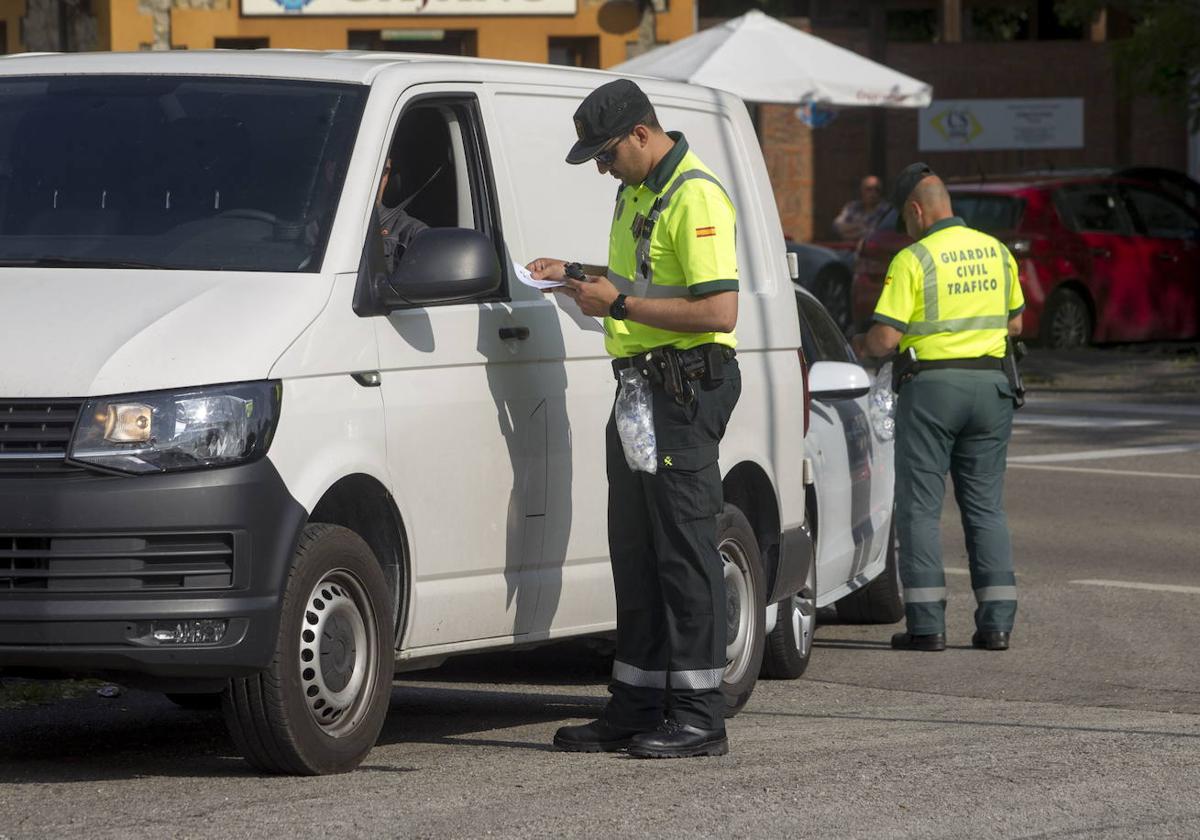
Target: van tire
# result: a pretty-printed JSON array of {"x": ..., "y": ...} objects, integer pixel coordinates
[
  {"x": 880, "y": 601},
  {"x": 745, "y": 593},
  {"x": 789, "y": 645},
  {"x": 320, "y": 705}
]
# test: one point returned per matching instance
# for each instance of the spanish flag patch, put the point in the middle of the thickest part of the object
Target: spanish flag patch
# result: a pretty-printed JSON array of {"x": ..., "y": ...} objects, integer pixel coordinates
[{"x": 702, "y": 232}]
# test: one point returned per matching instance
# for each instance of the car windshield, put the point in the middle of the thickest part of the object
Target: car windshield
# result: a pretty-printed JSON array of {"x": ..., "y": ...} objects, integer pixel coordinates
[
  {"x": 185, "y": 172},
  {"x": 989, "y": 213}
]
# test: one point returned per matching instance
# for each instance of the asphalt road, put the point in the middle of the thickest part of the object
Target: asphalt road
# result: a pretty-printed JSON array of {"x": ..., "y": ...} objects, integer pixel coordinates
[{"x": 1089, "y": 727}]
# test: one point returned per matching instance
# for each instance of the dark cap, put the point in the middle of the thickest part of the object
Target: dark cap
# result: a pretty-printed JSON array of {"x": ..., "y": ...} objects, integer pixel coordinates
[
  {"x": 905, "y": 183},
  {"x": 611, "y": 110}
]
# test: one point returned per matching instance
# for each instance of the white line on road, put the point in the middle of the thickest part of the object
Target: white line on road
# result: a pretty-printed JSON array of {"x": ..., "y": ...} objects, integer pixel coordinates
[
  {"x": 1098, "y": 471},
  {"x": 1096, "y": 407},
  {"x": 1105, "y": 454},
  {"x": 1154, "y": 587},
  {"x": 1075, "y": 422},
  {"x": 951, "y": 571}
]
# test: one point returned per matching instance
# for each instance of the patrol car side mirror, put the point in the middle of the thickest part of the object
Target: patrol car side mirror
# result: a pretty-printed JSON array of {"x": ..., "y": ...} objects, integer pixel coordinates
[{"x": 830, "y": 381}]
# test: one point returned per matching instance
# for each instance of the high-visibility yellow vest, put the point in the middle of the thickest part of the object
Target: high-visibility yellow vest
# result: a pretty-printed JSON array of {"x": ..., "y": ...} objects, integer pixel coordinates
[
  {"x": 952, "y": 293},
  {"x": 673, "y": 235}
]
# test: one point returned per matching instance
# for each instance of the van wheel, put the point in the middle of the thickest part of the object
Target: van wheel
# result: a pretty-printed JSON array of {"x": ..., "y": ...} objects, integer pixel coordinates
[
  {"x": 1067, "y": 322},
  {"x": 789, "y": 645},
  {"x": 745, "y": 599},
  {"x": 881, "y": 600},
  {"x": 320, "y": 705}
]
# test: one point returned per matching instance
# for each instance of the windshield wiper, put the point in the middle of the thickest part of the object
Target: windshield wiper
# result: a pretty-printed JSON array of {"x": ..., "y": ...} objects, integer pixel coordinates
[{"x": 74, "y": 262}]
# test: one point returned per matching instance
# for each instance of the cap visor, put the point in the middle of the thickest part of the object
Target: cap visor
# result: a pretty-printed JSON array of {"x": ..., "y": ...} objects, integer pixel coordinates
[{"x": 582, "y": 152}]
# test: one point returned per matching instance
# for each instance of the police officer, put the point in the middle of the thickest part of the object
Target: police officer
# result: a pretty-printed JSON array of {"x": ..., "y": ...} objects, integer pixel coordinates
[
  {"x": 953, "y": 297},
  {"x": 669, "y": 294}
]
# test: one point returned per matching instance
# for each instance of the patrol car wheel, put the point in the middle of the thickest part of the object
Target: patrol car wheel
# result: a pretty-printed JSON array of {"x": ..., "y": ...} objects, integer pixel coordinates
[
  {"x": 320, "y": 705},
  {"x": 745, "y": 599},
  {"x": 881, "y": 601},
  {"x": 789, "y": 645},
  {"x": 1067, "y": 321}
]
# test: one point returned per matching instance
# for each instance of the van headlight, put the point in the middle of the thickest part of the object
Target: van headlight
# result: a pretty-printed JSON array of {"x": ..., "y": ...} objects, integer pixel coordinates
[{"x": 162, "y": 431}]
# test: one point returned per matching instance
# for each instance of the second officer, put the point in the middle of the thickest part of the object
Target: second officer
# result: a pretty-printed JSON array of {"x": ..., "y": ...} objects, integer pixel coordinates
[{"x": 953, "y": 298}]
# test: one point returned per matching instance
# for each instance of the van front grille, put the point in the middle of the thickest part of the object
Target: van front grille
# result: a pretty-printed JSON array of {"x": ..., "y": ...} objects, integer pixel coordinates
[
  {"x": 35, "y": 436},
  {"x": 107, "y": 563}
]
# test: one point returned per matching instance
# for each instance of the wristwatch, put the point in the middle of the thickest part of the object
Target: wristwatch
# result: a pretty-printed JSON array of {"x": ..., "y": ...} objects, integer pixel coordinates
[{"x": 617, "y": 310}]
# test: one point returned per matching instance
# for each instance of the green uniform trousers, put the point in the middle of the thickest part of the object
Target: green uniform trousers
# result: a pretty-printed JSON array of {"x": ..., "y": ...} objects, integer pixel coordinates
[{"x": 956, "y": 421}]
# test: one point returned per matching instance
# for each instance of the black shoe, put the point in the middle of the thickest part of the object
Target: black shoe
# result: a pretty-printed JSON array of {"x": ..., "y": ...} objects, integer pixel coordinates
[
  {"x": 597, "y": 736},
  {"x": 907, "y": 641},
  {"x": 678, "y": 740},
  {"x": 990, "y": 639}
]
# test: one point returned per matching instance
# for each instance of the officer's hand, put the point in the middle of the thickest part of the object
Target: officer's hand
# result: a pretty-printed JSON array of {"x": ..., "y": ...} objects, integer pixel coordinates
[
  {"x": 547, "y": 268},
  {"x": 594, "y": 294}
]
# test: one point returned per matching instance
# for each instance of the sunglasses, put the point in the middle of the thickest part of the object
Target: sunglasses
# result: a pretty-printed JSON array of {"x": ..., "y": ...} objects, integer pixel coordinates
[{"x": 609, "y": 153}]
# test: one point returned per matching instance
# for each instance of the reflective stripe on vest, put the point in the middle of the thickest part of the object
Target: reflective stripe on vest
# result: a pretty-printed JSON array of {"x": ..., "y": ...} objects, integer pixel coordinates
[{"x": 644, "y": 271}]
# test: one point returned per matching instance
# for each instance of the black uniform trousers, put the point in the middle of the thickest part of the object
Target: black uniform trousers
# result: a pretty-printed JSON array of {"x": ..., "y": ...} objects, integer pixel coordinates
[{"x": 667, "y": 571}]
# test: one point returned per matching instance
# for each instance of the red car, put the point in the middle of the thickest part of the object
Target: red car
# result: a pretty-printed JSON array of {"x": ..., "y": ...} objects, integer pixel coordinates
[{"x": 1101, "y": 258}]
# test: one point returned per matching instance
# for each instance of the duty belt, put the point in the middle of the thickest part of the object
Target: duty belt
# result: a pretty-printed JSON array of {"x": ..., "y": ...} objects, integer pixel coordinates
[
  {"x": 676, "y": 370},
  {"x": 907, "y": 365}
]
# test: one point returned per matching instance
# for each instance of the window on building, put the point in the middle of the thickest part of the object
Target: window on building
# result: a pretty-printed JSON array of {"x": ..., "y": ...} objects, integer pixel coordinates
[
  {"x": 917, "y": 25},
  {"x": 436, "y": 41},
  {"x": 1040, "y": 20},
  {"x": 576, "y": 52},
  {"x": 241, "y": 43}
]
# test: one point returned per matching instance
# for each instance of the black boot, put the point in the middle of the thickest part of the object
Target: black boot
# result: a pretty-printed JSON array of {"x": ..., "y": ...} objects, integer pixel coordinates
[
  {"x": 678, "y": 740},
  {"x": 597, "y": 736},
  {"x": 907, "y": 641},
  {"x": 990, "y": 639}
]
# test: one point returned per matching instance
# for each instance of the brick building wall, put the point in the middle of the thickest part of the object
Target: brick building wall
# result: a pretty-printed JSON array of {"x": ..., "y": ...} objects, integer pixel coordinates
[{"x": 1115, "y": 132}]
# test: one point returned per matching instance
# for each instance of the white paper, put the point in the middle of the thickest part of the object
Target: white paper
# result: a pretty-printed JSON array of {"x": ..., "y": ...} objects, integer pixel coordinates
[{"x": 525, "y": 277}]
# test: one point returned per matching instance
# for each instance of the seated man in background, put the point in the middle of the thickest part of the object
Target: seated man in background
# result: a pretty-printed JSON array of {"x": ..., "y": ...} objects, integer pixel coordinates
[{"x": 859, "y": 217}]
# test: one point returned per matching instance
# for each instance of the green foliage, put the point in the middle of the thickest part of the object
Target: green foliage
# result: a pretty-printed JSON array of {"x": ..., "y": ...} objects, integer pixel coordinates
[{"x": 1162, "y": 55}]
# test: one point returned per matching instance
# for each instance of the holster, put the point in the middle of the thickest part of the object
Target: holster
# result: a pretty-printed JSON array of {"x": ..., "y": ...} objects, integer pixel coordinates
[
  {"x": 904, "y": 367},
  {"x": 1014, "y": 351}
]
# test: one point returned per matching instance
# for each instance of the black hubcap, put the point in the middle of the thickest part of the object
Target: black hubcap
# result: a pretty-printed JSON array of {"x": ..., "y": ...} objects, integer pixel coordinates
[{"x": 338, "y": 653}]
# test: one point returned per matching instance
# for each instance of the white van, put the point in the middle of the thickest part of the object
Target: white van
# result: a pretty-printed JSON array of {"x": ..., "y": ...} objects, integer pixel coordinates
[{"x": 237, "y": 457}]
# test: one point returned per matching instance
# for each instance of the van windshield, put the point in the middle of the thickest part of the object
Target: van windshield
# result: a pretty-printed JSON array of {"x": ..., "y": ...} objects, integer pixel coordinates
[{"x": 187, "y": 172}]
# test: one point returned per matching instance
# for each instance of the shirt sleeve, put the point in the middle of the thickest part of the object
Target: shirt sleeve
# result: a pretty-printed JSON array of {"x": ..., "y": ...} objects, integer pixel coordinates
[
  {"x": 703, "y": 229},
  {"x": 897, "y": 301},
  {"x": 1016, "y": 297}
]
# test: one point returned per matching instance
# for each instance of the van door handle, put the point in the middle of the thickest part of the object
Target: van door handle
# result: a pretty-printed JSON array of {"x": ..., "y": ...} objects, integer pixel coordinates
[{"x": 519, "y": 333}]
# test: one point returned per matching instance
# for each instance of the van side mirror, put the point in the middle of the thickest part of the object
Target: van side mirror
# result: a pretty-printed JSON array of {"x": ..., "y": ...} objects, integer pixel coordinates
[
  {"x": 830, "y": 381},
  {"x": 441, "y": 265}
]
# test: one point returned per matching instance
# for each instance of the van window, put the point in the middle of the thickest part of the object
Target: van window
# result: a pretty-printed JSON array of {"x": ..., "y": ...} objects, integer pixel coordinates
[
  {"x": 185, "y": 172},
  {"x": 437, "y": 175},
  {"x": 823, "y": 341}
]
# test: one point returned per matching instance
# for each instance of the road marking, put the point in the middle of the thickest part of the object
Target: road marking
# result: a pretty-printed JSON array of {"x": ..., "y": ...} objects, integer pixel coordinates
[
  {"x": 951, "y": 571},
  {"x": 1076, "y": 422},
  {"x": 1097, "y": 471},
  {"x": 1153, "y": 587},
  {"x": 1105, "y": 454},
  {"x": 1161, "y": 409}
]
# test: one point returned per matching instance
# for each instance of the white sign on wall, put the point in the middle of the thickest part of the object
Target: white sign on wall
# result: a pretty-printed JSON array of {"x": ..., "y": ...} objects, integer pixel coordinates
[
  {"x": 951, "y": 125},
  {"x": 408, "y": 8}
]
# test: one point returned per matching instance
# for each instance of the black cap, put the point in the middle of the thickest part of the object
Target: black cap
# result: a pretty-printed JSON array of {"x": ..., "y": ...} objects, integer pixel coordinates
[
  {"x": 905, "y": 183},
  {"x": 611, "y": 110}
]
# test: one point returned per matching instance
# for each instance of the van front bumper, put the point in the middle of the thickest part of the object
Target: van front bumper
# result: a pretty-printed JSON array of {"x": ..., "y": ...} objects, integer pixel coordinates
[{"x": 91, "y": 566}]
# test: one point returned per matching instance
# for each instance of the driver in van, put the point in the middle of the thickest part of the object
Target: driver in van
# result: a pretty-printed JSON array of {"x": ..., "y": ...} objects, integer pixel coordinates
[{"x": 396, "y": 226}]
